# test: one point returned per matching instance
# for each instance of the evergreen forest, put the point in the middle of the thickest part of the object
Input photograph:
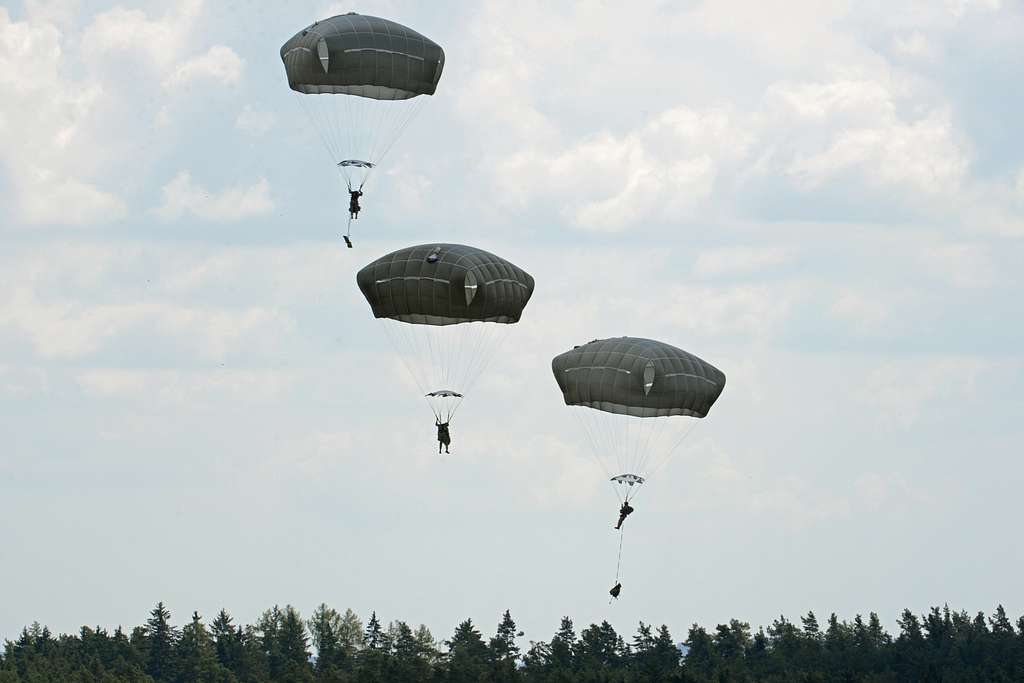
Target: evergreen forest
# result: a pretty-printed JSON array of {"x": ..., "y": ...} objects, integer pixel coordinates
[{"x": 282, "y": 646}]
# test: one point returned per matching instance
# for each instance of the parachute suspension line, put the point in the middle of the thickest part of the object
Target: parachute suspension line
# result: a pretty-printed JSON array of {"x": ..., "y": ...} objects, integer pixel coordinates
[
  {"x": 413, "y": 355},
  {"x": 319, "y": 129},
  {"x": 412, "y": 114},
  {"x": 383, "y": 120},
  {"x": 448, "y": 357},
  {"x": 482, "y": 350},
  {"x": 644, "y": 450},
  {"x": 599, "y": 436},
  {"x": 392, "y": 335},
  {"x": 580, "y": 414},
  {"x": 664, "y": 460}
]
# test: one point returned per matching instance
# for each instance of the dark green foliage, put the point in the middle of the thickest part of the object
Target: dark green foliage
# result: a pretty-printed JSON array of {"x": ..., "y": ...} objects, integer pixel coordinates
[
  {"x": 942, "y": 645},
  {"x": 467, "y": 659},
  {"x": 159, "y": 639},
  {"x": 504, "y": 653},
  {"x": 197, "y": 656}
]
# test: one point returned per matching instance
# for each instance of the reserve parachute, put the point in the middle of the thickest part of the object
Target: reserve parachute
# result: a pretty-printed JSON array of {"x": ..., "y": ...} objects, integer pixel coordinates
[{"x": 445, "y": 309}]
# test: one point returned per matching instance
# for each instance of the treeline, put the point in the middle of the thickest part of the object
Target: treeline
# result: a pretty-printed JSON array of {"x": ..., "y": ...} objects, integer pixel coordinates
[{"x": 942, "y": 645}]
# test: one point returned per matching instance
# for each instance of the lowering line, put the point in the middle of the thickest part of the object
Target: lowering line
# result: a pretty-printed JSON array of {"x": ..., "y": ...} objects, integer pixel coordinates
[{"x": 618, "y": 564}]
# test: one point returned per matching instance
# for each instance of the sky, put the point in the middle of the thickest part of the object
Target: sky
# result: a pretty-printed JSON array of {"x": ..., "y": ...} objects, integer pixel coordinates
[{"x": 825, "y": 199}]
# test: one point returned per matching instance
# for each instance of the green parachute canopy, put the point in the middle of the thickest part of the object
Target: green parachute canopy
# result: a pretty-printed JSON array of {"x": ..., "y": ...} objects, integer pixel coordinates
[
  {"x": 445, "y": 284},
  {"x": 638, "y": 377},
  {"x": 355, "y": 54},
  {"x": 446, "y": 309},
  {"x": 359, "y": 79},
  {"x": 628, "y": 394}
]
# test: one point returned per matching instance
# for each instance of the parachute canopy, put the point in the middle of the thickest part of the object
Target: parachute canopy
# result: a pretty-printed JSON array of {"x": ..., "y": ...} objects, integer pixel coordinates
[
  {"x": 423, "y": 296},
  {"x": 354, "y": 54},
  {"x": 445, "y": 284},
  {"x": 637, "y": 377},
  {"x": 618, "y": 383},
  {"x": 359, "y": 79}
]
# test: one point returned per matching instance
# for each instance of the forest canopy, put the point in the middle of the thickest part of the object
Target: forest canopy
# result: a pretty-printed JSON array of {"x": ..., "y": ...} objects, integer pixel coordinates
[{"x": 941, "y": 645}]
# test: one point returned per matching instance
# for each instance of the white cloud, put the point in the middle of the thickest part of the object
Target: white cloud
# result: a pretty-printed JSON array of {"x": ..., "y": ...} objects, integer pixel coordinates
[
  {"x": 220, "y": 64},
  {"x": 186, "y": 387},
  {"x": 960, "y": 7},
  {"x": 868, "y": 312},
  {"x": 886, "y": 491},
  {"x": 859, "y": 125},
  {"x": 182, "y": 196},
  {"x": 253, "y": 122},
  {"x": 855, "y": 124},
  {"x": 756, "y": 311},
  {"x": 964, "y": 265},
  {"x": 740, "y": 260},
  {"x": 123, "y": 31},
  {"x": 17, "y": 381},
  {"x": 864, "y": 99},
  {"x": 40, "y": 138},
  {"x": 920, "y": 155},
  {"x": 68, "y": 329},
  {"x": 915, "y": 44},
  {"x": 606, "y": 183},
  {"x": 74, "y": 140},
  {"x": 47, "y": 199},
  {"x": 900, "y": 391}
]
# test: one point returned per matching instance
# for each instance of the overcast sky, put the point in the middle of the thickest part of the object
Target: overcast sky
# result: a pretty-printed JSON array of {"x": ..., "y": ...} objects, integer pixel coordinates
[{"x": 822, "y": 198}]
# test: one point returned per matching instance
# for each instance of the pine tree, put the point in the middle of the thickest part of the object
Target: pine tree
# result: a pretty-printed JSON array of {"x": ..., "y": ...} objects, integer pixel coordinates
[
  {"x": 325, "y": 632},
  {"x": 701, "y": 656},
  {"x": 732, "y": 640},
  {"x": 876, "y": 633},
  {"x": 665, "y": 655},
  {"x": 160, "y": 640},
  {"x": 350, "y": 634},
  {"x": 643, "y": 641},
  {"x": 410, "y": 663},
  {"x": 374, "y": 637},
  {"x": 563, "y": 647},
  {"x": 268, "y": 630},
  {"x": 374, "y": 657},
  {"x": 811, "y": 628},
  {"x": 504, "y": 653},
  {"x": 1000, "y": 622},
  {"x": 467, "y": 653},
  {"x": 196, "y": 656},
  {"x": 503, "y": 644},
  {"x": 227, "y": 641},
  {"x": 294, "y": 645},
  {"x": 599, "y": 646},
  {"x": 426, "y": 644}
]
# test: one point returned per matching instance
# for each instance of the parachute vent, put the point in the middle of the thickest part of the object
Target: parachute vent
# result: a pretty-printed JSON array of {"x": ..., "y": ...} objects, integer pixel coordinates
[
  {"x": 471, "y": 287},
  {"x": 648, "y": 377},
  {"x": 434, "y": 255},
  {"x": 323, "y": 54}
]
